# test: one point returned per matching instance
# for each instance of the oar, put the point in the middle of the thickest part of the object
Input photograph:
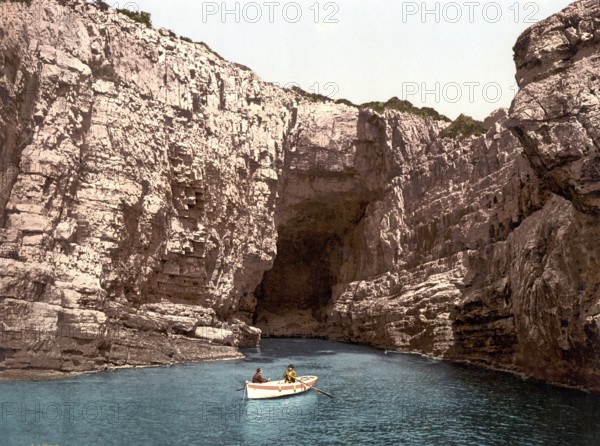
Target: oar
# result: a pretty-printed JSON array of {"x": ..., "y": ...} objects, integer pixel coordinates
[{"x": 314, "y": 388}]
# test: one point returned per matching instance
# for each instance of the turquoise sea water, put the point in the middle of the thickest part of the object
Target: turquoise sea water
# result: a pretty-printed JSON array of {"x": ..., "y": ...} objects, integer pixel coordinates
[{"x": 380, "y": 399}]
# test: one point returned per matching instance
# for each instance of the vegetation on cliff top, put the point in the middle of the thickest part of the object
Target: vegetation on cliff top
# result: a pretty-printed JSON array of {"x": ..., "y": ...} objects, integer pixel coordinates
[
  {"x": 407, "y": 107},
  {"x": 463, "y": 127},
  {"x": 102, "y": 5},
  {"x": 137, "y": 16},
  {"x": 392, "y": 104},
  {"x": 312, "y": 97},
  {"x": 146, "y": 19},
  {"x": 346, "y": 102},
  {"x": 315, "y": 97}
]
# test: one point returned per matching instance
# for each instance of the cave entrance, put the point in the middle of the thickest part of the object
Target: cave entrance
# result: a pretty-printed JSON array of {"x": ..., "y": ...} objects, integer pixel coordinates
[{"x": 314, "y": 253}]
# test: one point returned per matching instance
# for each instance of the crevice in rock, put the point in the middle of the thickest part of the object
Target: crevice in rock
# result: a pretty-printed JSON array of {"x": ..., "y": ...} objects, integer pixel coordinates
[{"x": 16, "y": 107}]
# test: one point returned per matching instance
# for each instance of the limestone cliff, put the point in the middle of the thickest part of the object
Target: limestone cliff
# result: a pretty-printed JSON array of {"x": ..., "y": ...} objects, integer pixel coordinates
[{"x": 159, "y": 203}]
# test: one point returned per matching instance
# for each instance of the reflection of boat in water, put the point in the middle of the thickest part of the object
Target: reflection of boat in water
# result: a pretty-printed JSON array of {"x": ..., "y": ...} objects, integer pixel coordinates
[{"x": 276, "y": 389}]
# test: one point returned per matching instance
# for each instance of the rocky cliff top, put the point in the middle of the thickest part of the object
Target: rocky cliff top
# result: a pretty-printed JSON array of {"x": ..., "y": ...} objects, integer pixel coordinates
[
  {"x": 555, "y": 112},
  {"x": 552, "y": 45}
]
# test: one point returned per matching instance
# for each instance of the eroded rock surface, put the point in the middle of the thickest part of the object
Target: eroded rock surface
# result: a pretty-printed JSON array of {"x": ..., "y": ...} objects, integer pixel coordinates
[
  {"x": 159, "y": 203},
  {"x": 556, "y": 111},
  {"x": 556, "y": 116},
  {"x": 139, "y": 180}
]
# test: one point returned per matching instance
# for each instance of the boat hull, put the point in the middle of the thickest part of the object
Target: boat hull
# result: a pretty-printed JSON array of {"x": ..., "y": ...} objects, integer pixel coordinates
[{"x": 278, "y": 389}]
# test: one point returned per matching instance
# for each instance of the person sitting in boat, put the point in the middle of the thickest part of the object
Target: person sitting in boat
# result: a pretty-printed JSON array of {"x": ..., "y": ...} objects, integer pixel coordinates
[
  {"x": 290, "y": 374},
  {"x": 257, "y": 378}
]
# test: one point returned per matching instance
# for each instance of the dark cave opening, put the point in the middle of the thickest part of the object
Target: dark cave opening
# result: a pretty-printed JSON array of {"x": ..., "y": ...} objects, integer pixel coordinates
[
  {"x": 302, "y": 274},
  {"x": 314, "y": 249}
]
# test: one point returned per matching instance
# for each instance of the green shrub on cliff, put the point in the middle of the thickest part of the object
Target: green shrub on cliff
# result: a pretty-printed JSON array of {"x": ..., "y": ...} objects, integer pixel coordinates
[
  {"x": 346, "y": 102},
  {"x": 463, "y": 127},
  {"x": 407, "y": 107},
  {"x": 103, "y": 6},
  {"x": 313, "y": 97},
  {"x": 138, "y": 16}
]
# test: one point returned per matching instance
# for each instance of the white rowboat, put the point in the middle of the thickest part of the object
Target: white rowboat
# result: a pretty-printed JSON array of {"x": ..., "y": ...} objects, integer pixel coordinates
[{"x": 276, "y": 389}]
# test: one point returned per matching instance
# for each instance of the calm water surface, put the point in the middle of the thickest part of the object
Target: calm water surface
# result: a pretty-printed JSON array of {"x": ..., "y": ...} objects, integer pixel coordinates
[{"x": 380, "y": 399}]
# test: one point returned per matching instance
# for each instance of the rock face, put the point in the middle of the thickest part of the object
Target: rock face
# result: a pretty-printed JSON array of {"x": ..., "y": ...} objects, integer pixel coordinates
[
  {"x": 556, "y": 118},
  {"x": 556, "y": 111},
  {"x": 159, "y": 203}
]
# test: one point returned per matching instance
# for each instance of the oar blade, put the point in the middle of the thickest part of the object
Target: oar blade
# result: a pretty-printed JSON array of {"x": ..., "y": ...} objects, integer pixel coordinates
[
  {"x": 323, "y": 392},
  {"x": 314, "y": 388}
]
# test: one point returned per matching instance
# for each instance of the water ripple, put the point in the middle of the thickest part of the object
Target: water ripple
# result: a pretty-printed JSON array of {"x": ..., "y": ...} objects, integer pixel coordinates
[{"x": 380, "y": 399}]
